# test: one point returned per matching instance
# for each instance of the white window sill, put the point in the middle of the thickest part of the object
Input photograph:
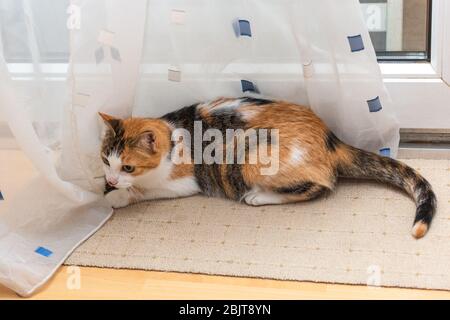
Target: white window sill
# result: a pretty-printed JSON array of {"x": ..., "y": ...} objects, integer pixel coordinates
[
  {"x": 404, "y": 70},
  {"x": 419, "y": 70}
]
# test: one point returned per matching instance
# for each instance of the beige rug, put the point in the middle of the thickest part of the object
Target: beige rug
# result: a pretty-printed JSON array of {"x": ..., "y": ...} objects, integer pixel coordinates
[{"x": 358, "y": 235}]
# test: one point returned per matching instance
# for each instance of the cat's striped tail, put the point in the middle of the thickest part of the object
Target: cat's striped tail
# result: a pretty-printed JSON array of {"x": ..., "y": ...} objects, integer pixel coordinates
[{"x": 356, "y": 163}]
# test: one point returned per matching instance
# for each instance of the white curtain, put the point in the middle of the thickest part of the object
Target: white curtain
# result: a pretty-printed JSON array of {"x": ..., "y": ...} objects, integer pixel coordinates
[{"x": 62, "y": 63}]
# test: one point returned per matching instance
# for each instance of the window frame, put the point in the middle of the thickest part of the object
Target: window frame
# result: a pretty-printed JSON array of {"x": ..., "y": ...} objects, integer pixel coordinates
[
  {"x": 428, "y": 110},
  {"x": 445, "y": 59},
  {"x": 433, "y": 68},
  {"x": 411, "y": 56}
]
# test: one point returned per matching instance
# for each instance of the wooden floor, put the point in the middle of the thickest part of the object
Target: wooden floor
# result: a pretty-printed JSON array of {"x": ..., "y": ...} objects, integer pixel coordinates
[
  {"x": 96, "y": 283},
  {"x": 99, "y": 283}
]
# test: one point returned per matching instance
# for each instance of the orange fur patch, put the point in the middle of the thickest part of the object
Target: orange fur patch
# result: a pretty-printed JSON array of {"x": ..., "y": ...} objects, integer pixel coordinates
[
  {"x": 135, "y": 155},
  {"x": 419, "y": 230},
  {"x": 182, "y": 171},
  {"x": 299, "y": 125}
]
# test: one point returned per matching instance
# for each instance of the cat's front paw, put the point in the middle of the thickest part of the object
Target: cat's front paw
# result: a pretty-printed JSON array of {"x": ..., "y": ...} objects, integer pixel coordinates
[
  {"x": 118, "y": 198},
  {"x": 260, "y": 198},
  {"x": 256, "y": 199}
]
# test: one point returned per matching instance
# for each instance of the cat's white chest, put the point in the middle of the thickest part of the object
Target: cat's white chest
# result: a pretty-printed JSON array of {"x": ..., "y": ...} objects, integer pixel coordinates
[
  {"x": 157, "y": 183},
  {"x": 183, "y": 187}
]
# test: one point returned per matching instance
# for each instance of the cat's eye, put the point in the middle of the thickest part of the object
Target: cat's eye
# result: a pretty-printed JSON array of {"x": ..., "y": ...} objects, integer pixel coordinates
[{"x": 128, "y": 169}]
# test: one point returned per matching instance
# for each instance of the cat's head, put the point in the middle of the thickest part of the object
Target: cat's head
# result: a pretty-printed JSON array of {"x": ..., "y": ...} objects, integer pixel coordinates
[{"x": 131, "y": 148}]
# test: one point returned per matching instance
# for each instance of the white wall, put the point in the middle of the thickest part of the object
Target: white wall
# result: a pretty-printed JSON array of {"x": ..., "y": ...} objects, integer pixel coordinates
[{"x": 425, "y": 105}]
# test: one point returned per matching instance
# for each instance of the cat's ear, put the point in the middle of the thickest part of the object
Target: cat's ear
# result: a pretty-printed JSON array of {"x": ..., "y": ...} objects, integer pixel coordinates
[
  {"x": 106, "y": 117},
  {"x": 107, "y": 122},
  {"x": 147, "y": 140}
]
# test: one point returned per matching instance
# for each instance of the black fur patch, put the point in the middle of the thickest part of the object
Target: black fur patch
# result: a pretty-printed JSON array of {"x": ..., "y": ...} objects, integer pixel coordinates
[
  {"x": 209, "y": 179},
  {"x": 425, "y": 211},
  {"x": 317, "y": 192},
  {"x": 331, "y": 141},
  {"x": 114, "y": 141},
  {"x": 309, "y": 190},
  {"x": 298, "y": 189},
  {"x": 183, "y": 118},
  {"x": 255, "y": 101},
  {"x": 236, "y": 180},
  {"x": 223, "y": 119},
  {"x": 208, "y": 176},
  {"x": 426, "y": 201},
  {"x": 108, "y": 188}
]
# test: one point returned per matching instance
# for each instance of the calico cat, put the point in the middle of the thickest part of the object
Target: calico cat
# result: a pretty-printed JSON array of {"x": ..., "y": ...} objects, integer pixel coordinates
[{"x": 138, "y": 156}]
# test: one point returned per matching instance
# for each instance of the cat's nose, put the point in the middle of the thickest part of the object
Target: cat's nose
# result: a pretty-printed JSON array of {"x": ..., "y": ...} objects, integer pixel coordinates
[{"x": 112, "y": 181}]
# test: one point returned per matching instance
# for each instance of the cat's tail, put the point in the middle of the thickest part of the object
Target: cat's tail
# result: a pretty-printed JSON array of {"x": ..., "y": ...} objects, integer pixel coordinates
[{"x": 356, "y": 163}]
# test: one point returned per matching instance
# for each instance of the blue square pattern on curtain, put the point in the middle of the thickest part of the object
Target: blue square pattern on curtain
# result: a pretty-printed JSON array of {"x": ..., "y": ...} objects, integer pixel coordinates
[
  {"x": 248, "y": 86},
  {"x": 1, "y": 196},
  {"x": 375, "y": 105},
  {"x": 385, "y": 152},
  {"x": 356, "y": 43},
  {"x": 242, "y": 28},
  {"x": 43, "y": 251}
]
